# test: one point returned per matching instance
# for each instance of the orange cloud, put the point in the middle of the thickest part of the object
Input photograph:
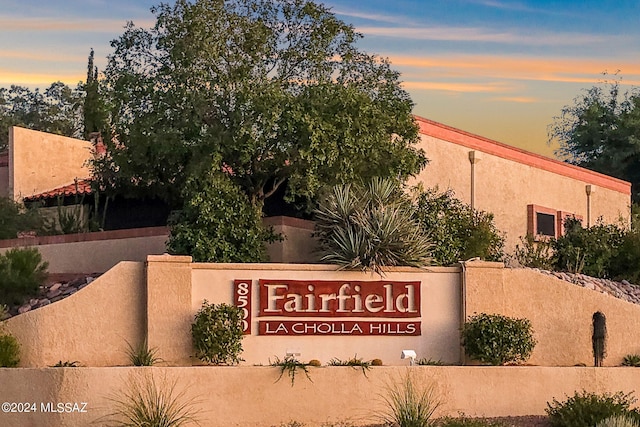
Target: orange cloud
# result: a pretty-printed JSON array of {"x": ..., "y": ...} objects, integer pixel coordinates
[
  {"x": 518, "y": 99},
  {"x": 519, "y": 68},
  {"x": 69, "y": 25},
  {"x": 456, "y": 86},
  {"x": 478, "y": 34},
  {"x": 39, "y": 79}
]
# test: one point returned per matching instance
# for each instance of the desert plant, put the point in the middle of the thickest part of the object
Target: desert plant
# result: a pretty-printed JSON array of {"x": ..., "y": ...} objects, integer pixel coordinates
[
  {"x": 619, "y": 421},
  {"x": 409, "y": 403},
  {"x": 429, "y": 362},
  {"x": 337, "y": 424},
  {"x": 9, "y": 351},
  {"x": 217, "y": 334},
  {"x": 354, "y": 362},
  {"x": 535, "y": 254},
  {"x": 217, "y": 222},
  {"x": 150, "y": 402},
  {"x": 458, "y": 231},
  {"x": 631, "y": 360},
  {"x": 497, "y": 339},
  {"x": 4, "y": 312},
  {"x": 591, "y": 250},
  {"x": 464, "y": 421},
  {"x": 587, "y": 408},
  {"x": 370, "y": 227},
  {"x": 22, "y": 271},
  {"x": 314, "y": 362},
  {"x": 142, "y": 355},
  {"x": 66, "y": 364},
  {"x": 16, "y": 218},
  {"x": 376, "y": 362},
  {"x": 291, "y": 366}
]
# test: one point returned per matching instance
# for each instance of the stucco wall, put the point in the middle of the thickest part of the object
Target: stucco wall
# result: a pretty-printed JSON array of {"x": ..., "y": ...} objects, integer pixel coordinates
[
  {"x": 560, "y": 312},
  {"x": 92, "y": 326},
  {"x": 505, "y": 187},
  {"x": 40, "y": 161},
  {"x": 440, "y": 322},
  {"x": 251, "y": 397},
  {"x": 94, "y": 252},
  {"x": 298, "y": 245}
]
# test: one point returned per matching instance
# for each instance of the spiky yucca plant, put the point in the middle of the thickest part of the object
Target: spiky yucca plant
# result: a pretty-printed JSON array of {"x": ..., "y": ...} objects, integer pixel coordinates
[{"x": 370, "y": 227}]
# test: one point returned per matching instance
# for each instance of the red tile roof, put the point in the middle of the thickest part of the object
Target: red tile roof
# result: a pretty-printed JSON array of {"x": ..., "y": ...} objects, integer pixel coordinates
[{"x": 78, "y": 188}]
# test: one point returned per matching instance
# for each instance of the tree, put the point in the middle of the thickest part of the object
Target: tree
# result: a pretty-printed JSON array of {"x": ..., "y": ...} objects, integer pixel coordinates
[
  {"x": 217, "y": 223},
  {"x": 601, "y": 132},
  {"x": 56, "y": 110},
  {"x": 94, "y": 110},
  {"x": 458, "y": 231},
  {"x": 276, "y": 90}
]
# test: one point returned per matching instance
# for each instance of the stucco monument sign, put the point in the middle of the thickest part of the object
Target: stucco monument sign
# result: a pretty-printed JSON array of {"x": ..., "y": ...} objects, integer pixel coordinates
[{"x": 315, "y": 307}]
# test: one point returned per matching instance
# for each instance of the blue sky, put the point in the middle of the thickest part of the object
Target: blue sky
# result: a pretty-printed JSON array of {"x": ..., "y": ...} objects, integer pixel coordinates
[{"x": 501, "y": 69}]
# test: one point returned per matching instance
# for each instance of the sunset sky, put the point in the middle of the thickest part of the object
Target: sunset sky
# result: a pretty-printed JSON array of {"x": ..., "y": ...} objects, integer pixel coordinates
[{"x": 500, "y": 69}]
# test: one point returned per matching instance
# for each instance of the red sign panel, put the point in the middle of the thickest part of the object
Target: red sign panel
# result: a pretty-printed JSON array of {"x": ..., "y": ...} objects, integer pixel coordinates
[
  {"x": 338, "y": 327},
  {"x": 304, "y": 298},
  {"x": 242, "y": 300}
]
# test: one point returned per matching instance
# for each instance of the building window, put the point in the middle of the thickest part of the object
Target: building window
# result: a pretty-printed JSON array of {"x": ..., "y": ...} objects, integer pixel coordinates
[{"x": 544, "y": 223}]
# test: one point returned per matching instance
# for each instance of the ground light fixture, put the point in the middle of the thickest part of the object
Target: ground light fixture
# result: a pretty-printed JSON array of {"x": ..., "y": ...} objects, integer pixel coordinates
[{"x": 409, "y": 354}]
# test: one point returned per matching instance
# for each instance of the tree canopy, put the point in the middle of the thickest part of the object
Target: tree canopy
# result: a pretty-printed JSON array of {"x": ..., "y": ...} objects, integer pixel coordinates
[
  {"x": 275, "y": 90},
  {"x": 56, "y": 110},
  {"x": 601, "y": 131}
]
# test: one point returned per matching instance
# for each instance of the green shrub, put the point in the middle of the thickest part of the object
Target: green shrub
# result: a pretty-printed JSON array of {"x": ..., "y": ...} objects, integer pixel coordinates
[
  {"x": 589, "y": 251},
  {"x": 535, "y": 254},
  {"x": 66, "y": 364},
  {"x": 619, "y": 421},
  {"x": 9, "y": 351},
  {"x": 22, "y": 271},
  {"x": 218, "y": 223},
  {"x": 409, "y": 403},
  {"x": 463, "y": 421},
  {"x": 370, "y": 227},
  {"x": 587, "y": 408},
  {"x": 497, "y": 339},
  {"x": 457, "y": 231},
  {"x": 626, "y": 263},
  {"x": 631, "y": 360},
  {"x": 429, "y": 362},
  {"x": 217, "y": 334},
  {"x": 16, "y": 218}
]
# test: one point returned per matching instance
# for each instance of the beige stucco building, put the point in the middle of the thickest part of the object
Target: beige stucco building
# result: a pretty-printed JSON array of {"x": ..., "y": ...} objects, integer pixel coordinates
[
  {"x": 37, "y": 162},
  {"x": 526, "y": 192}
]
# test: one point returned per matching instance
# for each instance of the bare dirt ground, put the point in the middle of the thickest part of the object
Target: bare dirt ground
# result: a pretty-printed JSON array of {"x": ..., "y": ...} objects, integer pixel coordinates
[{"x": 528, "y": 421}]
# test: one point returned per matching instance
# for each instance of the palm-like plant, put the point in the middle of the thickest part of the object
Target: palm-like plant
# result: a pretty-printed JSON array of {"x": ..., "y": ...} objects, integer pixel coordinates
[{"x": 370, "y": 227}]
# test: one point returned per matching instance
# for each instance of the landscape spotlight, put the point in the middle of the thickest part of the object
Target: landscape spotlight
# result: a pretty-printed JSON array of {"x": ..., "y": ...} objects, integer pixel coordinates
[{"x": 409, "y": 354}]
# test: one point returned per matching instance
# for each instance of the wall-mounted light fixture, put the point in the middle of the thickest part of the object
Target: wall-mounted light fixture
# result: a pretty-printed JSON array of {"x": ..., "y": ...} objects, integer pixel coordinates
[
  {"x": 409, "y": 354},
  {"x": 293, "y": 352},
  {"x": 589, "y": 189},
  {"x": 474, "y": 157}
]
